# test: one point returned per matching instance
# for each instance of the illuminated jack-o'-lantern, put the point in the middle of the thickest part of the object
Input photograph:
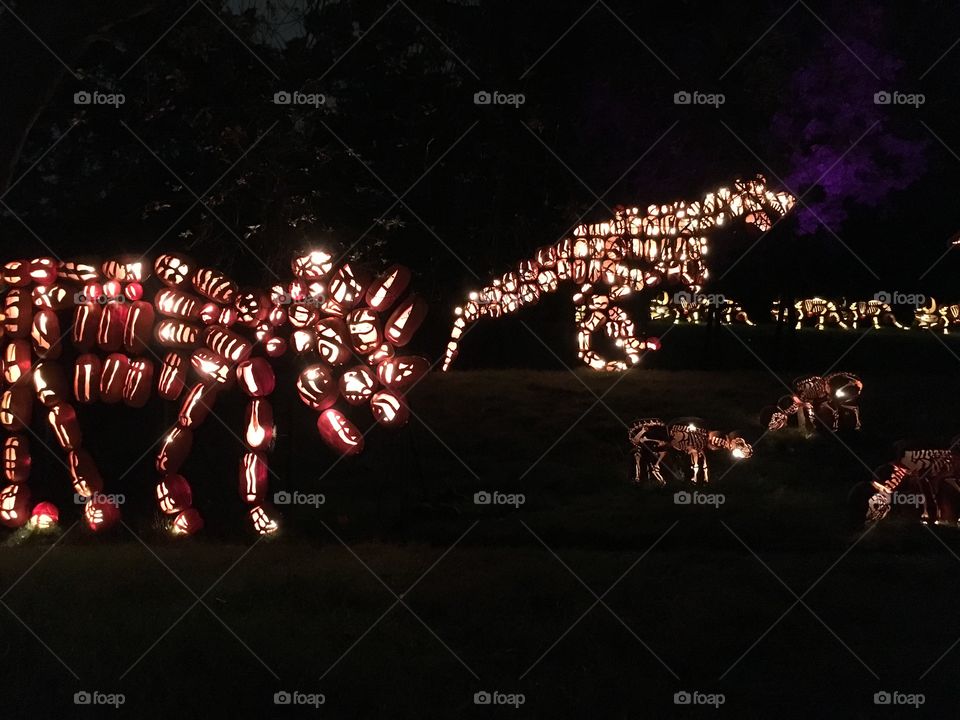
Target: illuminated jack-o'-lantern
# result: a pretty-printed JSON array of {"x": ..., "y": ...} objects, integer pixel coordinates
[
  {"x": 197, "y": 404},
  {"x": 173, "y": 376},
  {"x": 43, "y": 271},
  {"x": 357, "y": 385},
  {"x": 46, "y": 335},
  {"x": 14, "y": 501},
  {"x": 113, "y": 320},
  {"x": 317, "y": 387},
  {"x": 87, "y": 371},
  {"x": 265, "y": 519},
  {"x": 173, "y": 270},
  {"x": 177, "y": 304},
  {"x": 214, "y": 285},
  {"x": 139, "y": 380},
  {"x": 174, "y": 450},
  {"x": 227, "y": 343},
  {"x": 210, "y": 366},
  {"x": 303, "y": 341},
  {"x": 339, "y": 433},
  {"x": 66, "y": 426},
  {"x": 101, "y": 513},
  {"x": 188, "y": 522},
  {"x": 86, "y": 323},
  {"x": 174, "y": 494},
  {"x": 133, "y": 292},
  {"x": 313, "y": 265},
  {"x": 16, "y": 361},
  {"x": 84, "y": 476},
  {"x": 16, "y": 273},
  {"x": 114, "y": 378},
  {"x": 176, "y": 334},
  {"x": 402, "y": 372},
  {"x": 228, "y": 317},
  {"x": 389, "y": 409},
  {"x": 78, "y": 272},
  {"x": 50, "y": 384},
  {"x": 383, "y": 293},
  {"x": 405, "y": 320},
  {"x": 384, "y": 352},
  {"x": 138, "y": 328},
  {"x": 332, "y": 341},
  {"x": 17, "y": 460},
  {"x": 256, "y": 377},
  {"x": 127, "y": 269},
  {"x": 364, "y": 330},
  {"x": 16, "y": 408},
  {"x": 302, "y": 315},
  {"x": 345, "y": 291},
  {"x": 253, "y": 306},
  {"x": 52, "y": 297},
  {"x": 210, "y": 313},
  {"x": 275, "y": 347},
  {"x": 260, "y": 431},
  {"x": 253, "y": 478},
  {"x": 17, "y": 313},
  {"x": 45, "y": 516}
]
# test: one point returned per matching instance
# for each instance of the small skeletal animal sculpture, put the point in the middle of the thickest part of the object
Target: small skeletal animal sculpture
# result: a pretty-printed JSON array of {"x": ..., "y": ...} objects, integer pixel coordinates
[
  {"x": 936, "y": 317},
  {"x": 928, "y": 477},
  {"x": 875, "y": 311},
  {"x": 827, "y": 397},
  {"x": 694, "y": 308},
  {"x": 652, "y": 440},
  {"x": 821, "y": 310}
]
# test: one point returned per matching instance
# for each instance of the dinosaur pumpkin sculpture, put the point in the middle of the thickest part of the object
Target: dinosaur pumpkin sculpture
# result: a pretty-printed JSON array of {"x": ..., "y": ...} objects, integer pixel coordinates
[{"x": 198, "y": 337}]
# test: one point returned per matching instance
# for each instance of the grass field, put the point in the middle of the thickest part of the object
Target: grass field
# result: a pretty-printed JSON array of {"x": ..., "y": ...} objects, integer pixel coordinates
[{"x": 696, "y": 597}]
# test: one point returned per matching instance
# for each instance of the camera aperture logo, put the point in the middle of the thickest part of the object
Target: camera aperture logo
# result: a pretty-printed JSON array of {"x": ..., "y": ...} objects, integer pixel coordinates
[
  {"x": 96, "y": 697},
  {"x": 695, "y": 97},
  {"x": 695, "y": 697},
  {"x": 684, "y": 497},
  {"x": 301, "y": 699},
  {"x": 314, "y": 500},
  {"x": 484, "y": 97},
  {"x": 484, "y": 497},
  {"x": 895, "y": 97},
  {"x": 285, "y": 97},
  {"x": 85, "y": 97},
  {"x": 895, "y": 697},
  {"x": 495, "y": 697}
]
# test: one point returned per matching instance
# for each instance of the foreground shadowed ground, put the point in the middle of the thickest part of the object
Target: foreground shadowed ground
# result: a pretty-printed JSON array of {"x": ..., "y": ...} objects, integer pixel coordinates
[{"x": 507, "y": 608}]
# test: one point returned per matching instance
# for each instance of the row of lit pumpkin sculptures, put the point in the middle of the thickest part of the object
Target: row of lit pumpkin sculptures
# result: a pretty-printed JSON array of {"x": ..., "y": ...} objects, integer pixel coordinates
[{"x": 196, "y": 339}]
